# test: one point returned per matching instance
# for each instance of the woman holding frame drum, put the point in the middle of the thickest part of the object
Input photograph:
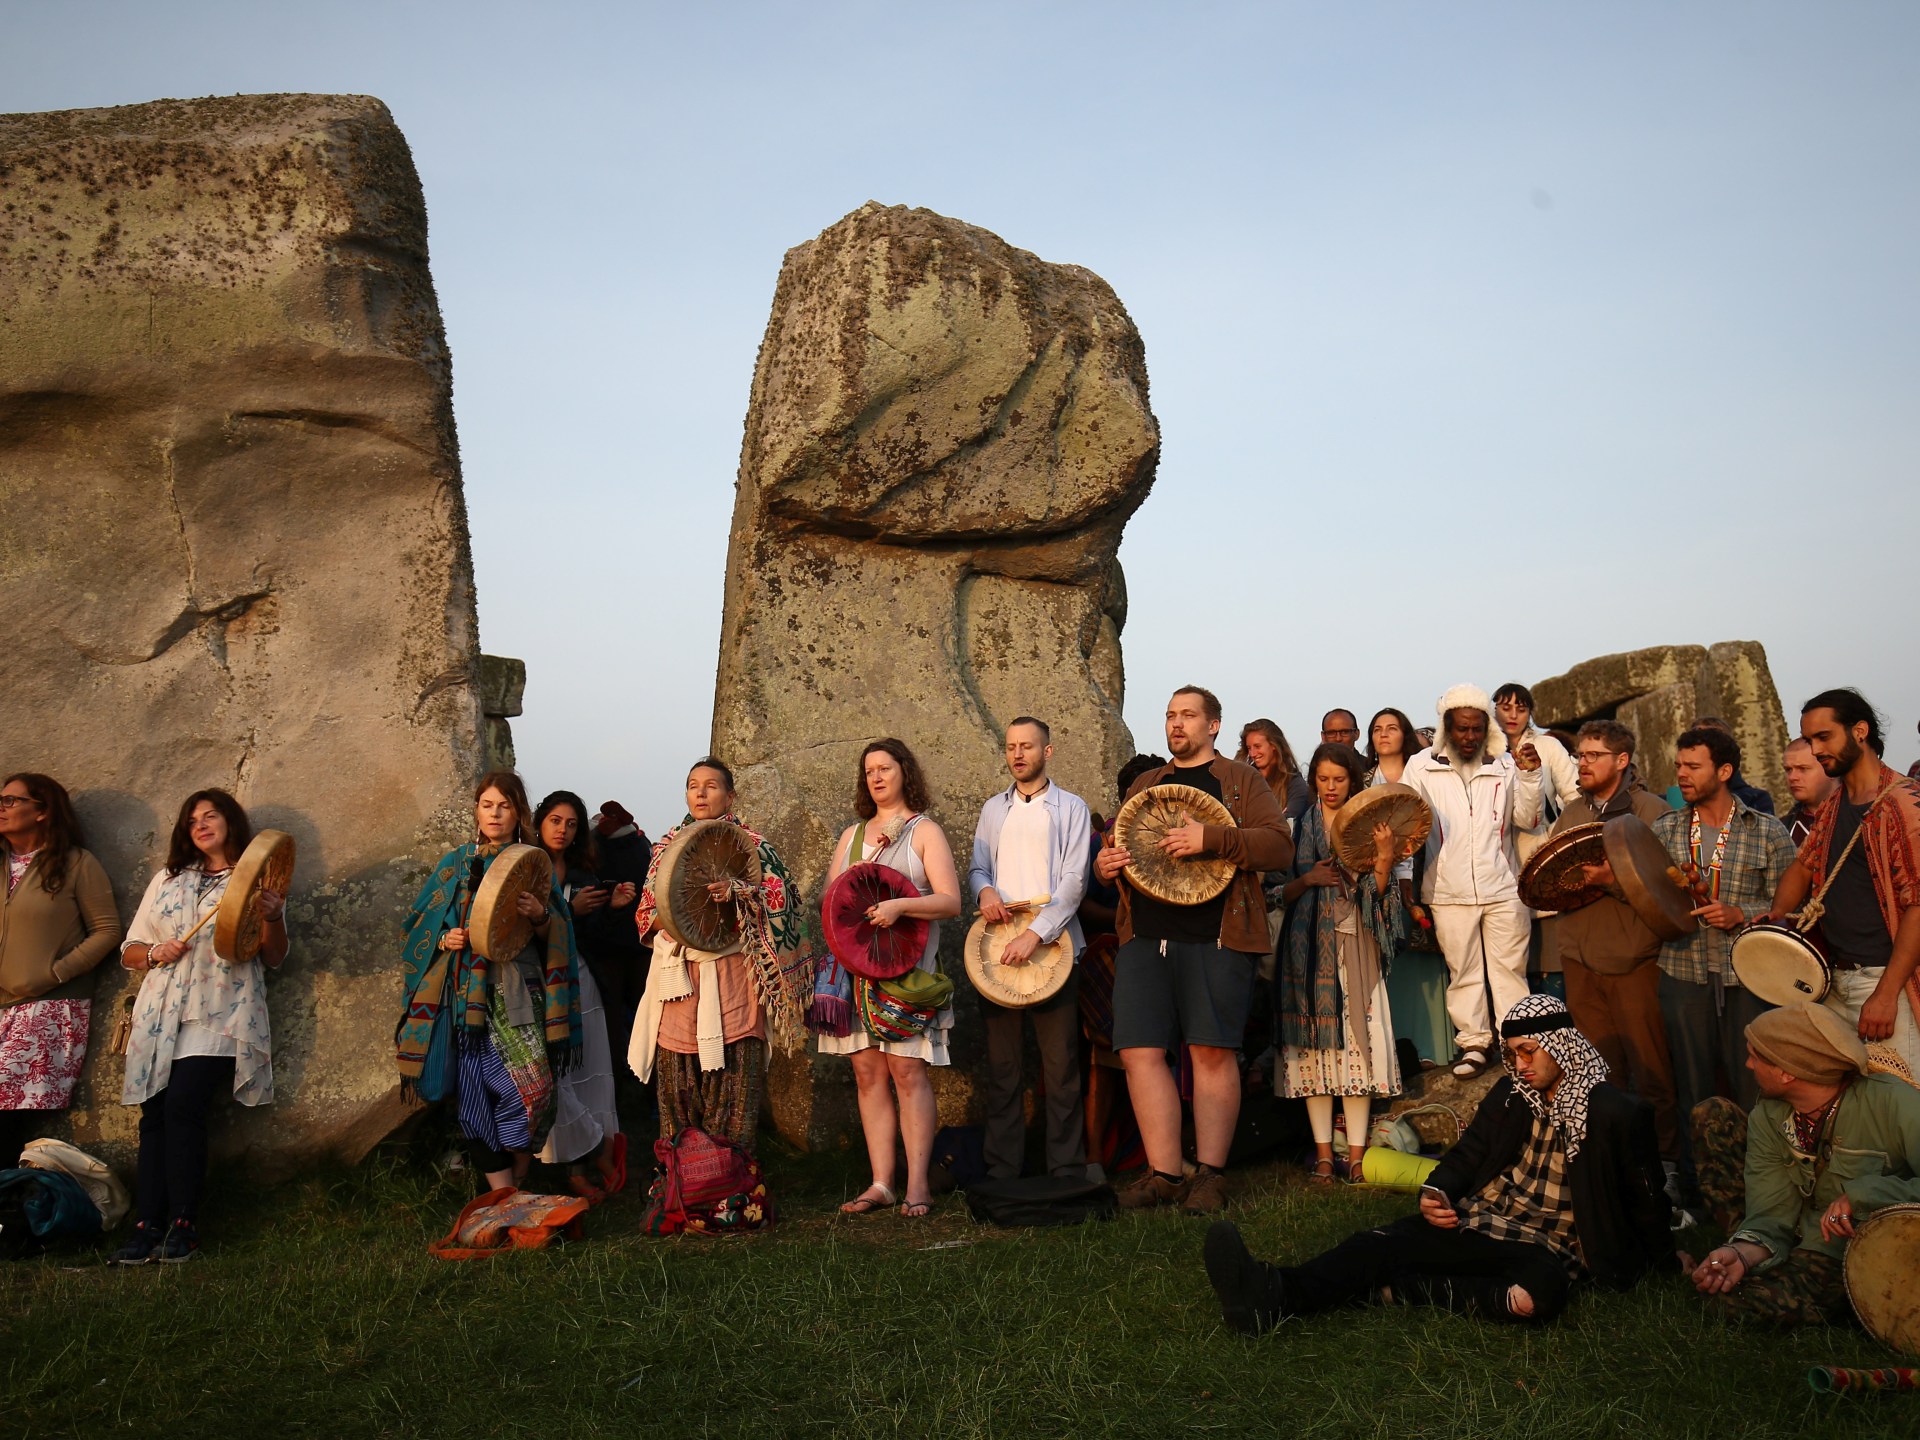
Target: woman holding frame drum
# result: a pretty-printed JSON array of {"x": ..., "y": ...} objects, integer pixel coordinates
[
  {"x": 1336, "y": 1031},
  {"x": 704, "y": 1023},
  {"x": 890, "y": 797},
  {"x": 199, "y": 1022},
  {"x": 492, "y": 1031}
]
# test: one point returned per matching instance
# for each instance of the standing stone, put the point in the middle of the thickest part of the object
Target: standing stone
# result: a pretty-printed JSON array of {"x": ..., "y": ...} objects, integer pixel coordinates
[
  {"x": 944, "y": 439},
  {"x": 233, "y": 547},
  {"x": 1658, "y": 693}
]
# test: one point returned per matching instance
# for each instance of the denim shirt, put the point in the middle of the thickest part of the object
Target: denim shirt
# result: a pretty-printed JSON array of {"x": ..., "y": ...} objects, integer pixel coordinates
[{"x": 1069, "y": 833}]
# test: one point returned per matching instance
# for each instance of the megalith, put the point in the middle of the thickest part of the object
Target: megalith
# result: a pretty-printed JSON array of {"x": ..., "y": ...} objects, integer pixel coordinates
[
  {"x": 944, "y": 439},
  {"x": 234, "y": 547},
  {"x": 1659, "y": 692}
]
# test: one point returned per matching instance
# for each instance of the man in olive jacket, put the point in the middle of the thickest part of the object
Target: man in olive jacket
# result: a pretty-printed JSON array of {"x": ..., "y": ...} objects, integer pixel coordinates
[
  {"x": 1556, "y": 1181},
  {"x": 1608, "y": 954}
]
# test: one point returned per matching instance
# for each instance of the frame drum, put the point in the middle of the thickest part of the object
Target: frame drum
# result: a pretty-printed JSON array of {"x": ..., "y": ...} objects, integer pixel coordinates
[
  {"x": 266, "y": 864},
  {"x": 1016, "y": 986},
  {"x": 1145, "y": 819},
  {"x": 496, "y": 930},
  {"x": 1882, "y": 1260},
  {"x": 1552, "y": 879},
  {"x": 1779, "y": 964}
]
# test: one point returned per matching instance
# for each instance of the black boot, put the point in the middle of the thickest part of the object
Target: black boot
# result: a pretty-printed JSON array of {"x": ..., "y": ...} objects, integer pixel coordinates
[{"x": 1250, "y": 1294}]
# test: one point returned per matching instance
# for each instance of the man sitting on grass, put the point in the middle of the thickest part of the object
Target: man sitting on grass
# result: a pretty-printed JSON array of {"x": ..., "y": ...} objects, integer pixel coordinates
[
  {"x": 1827, "y": 1145},
  {"x": 1557, "y": 1179}
]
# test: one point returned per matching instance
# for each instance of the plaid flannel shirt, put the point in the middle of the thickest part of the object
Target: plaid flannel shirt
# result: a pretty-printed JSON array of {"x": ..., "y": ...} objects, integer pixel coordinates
[
  {"x": 1530, "y": 1200},
  {"x": 1758, "y": 851}
]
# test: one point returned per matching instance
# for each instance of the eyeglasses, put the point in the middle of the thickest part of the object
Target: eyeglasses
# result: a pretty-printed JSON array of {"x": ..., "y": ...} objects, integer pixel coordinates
[
  {"x": 1592, "y": 757},
  {"x": 7, "y": 802},
  {"x": 1526, "y": 1050}
]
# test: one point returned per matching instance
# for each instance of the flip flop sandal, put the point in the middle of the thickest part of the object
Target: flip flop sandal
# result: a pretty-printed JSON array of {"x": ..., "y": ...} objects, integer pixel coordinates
[
  {"x": 875, "y": 1197},
  {"x": 916, "y": 1209},
  {"x": 586, "y": 1189}
]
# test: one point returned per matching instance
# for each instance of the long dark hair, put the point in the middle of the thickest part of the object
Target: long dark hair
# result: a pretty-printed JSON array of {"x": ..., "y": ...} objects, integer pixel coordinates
[
  {"x": 1337, "y": 752},
  {"x": 63, "y": 826},
  {"x": 510, "y": 785},
  {"x": 580, "y": 854},
  {"x": 913, "y": 783},
  {"x": 1850, "y": 708},
  {"x": 183, "y": 854},
  {"x": 1409, "y": 735}
]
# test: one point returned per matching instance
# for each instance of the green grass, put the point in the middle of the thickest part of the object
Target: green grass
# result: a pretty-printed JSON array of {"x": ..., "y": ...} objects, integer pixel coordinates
[{"x": 317, "y": 1311}]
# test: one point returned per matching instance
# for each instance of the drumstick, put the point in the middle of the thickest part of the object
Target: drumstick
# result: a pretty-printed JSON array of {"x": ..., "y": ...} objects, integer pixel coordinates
[
  {"x": 1034, "y": 904},
  {"x": 197, "y": 928}
]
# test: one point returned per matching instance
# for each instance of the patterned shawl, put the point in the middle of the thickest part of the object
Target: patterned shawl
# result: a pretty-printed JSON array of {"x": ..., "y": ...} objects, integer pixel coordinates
[
  {"x": 779, "y": 960},
  {"x": 446, "y": 991},
  {"x": 1544, "y": 1018},
  {"x": 1889, "y": 833},
  {"x": 1308, "y": 975}
]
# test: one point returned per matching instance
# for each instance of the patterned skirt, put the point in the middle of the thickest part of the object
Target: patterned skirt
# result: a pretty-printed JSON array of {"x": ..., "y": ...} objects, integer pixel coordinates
[
  {"x": 724, "y": 1102},
  {"x": 43, "y": 1044}
]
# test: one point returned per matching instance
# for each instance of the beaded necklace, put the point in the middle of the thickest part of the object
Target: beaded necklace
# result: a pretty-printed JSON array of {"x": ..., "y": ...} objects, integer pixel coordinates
[{"x": 1719, "y": 849}]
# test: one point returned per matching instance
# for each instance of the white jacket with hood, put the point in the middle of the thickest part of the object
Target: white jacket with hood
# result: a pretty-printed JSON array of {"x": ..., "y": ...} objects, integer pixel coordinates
[{"x": 1476, "y": 809}]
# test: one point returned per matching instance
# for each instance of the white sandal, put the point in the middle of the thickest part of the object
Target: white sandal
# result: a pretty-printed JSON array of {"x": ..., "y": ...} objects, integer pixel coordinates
[{"x": 864, "y": 1204}]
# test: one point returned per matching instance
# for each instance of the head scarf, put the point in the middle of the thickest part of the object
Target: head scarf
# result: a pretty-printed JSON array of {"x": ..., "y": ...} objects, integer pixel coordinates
[
  {"x": 1545, "y": 1019},
  {"x": 1809, "y": 1042}
]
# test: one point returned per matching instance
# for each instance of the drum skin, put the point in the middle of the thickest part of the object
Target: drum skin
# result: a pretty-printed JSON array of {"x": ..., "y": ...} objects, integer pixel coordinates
[
  {"x": 1552, "y": 879},
  {"x": 266, "y": 864},
  {"x": 1016, "y": 986},
  {"x": 1882, "y": 1260},
  {"x": 1779, "y": 964},
  {"x": 701, "y": 854},
  {"x": 1350, "y": 833},
  {"x": 496, "y": 929},
  {"x": 1145, "y": 819}
]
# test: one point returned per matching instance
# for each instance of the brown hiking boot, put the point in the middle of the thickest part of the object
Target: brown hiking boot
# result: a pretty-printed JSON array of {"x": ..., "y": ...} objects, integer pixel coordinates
[
  {"x": 1206, "y": 1192},
  {"x": 1150, "y": 1190}
]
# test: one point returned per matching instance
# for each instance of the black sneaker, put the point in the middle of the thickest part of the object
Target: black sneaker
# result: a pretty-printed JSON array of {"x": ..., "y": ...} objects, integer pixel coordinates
[
  {"x": 181, "y": 1243},
  {"x": 1249, "y": 1291},
  {"x": 139, "y": 1249}
]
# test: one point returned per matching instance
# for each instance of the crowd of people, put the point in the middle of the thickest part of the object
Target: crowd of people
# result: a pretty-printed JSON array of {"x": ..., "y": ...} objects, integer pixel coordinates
[{"x": 1643, "y": 1085}]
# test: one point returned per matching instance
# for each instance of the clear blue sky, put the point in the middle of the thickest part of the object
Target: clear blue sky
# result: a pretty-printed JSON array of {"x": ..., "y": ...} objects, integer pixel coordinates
[{"x": 1483, "y": 338}]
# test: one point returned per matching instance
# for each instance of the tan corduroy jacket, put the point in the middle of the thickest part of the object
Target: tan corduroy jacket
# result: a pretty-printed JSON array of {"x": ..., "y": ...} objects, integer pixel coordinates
[
  {"x": 49, "y": 944},
  {"x": 1257, "y": 841}
]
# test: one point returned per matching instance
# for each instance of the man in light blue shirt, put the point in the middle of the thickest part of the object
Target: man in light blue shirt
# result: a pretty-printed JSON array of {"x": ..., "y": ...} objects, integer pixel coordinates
[{"x": 1033, "y": 840}]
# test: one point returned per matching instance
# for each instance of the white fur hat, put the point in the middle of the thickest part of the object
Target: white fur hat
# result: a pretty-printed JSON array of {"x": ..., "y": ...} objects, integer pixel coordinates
[{"x": 1470, "y": 697}]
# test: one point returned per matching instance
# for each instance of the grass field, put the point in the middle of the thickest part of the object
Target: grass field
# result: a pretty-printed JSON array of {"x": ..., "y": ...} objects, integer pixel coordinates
[{"x": 316, "y": 1310}]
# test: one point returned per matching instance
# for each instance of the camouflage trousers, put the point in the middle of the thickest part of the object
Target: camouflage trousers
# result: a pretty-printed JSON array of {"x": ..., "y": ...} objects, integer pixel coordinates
[{"x": 1807, "y": 1287}]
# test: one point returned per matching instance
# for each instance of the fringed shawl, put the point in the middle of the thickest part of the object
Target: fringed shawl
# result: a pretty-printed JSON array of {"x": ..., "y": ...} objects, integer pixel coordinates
[
  {"x": 446, "y": 991},
  {"x": 1308, "y": 1002},
  {"x": 773, "y": 940}
]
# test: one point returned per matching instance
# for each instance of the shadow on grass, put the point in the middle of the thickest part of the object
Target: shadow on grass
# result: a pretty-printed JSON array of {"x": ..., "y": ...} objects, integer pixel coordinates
[{"x": 317, "y": 1311}]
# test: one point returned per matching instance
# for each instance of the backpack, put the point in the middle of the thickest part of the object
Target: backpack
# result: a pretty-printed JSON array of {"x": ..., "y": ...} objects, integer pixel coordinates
[
  {"x": 707, "y": 1185},
  {"x": 37, "y": 1206},
  {"x": 1040, "y": 1200}
]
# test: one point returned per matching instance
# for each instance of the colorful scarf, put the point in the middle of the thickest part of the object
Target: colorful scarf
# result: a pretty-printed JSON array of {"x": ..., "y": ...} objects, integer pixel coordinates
[
  {"x": 441, "y": 985},
  {"x": 1544, "y": 1018},
  {"x": 774, "y": 937},
  {"x": 1309, "y": 972}
]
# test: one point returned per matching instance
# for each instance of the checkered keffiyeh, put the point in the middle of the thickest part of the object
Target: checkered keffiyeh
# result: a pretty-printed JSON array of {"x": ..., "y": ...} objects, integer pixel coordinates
[
  {"x": 1545, "y": 1019},
  {"x": 1530, "y": 1200}
]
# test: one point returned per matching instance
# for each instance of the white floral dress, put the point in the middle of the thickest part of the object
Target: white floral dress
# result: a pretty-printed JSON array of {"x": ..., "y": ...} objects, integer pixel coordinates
[{"x": 199, "y": 1006}]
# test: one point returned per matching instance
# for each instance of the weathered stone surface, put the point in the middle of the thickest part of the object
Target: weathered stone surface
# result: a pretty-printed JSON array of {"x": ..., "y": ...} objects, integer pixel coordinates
[
  {"x": 1658, "y": 693},
  {"x": 234, "y": 548},
  {"x": 945, "y": 437},
  {"x": 1598, "y": 687},
  {"x": 502, "y": 685}
]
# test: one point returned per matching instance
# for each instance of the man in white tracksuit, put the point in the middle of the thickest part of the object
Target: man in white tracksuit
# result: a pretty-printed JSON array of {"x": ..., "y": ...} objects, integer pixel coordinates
[{"x": 1480, "y": 795}]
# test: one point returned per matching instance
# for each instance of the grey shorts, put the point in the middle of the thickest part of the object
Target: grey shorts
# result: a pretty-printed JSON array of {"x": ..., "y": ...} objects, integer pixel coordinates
[{"x": 1190, "y": 994}]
